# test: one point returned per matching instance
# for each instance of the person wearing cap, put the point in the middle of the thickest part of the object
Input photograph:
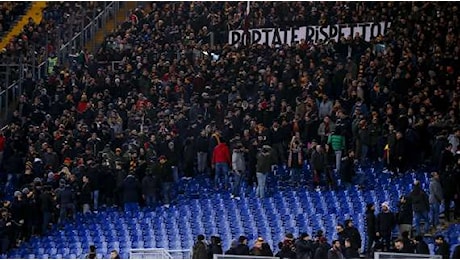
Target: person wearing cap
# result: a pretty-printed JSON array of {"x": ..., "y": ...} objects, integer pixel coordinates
[
  {"x": 304, "y": 247},
  {"x": 385, "y": 222},
  {"x": 442, "y": 248}
]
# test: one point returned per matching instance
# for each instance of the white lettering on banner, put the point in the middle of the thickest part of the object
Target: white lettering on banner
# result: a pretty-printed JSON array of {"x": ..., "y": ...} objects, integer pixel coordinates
[{"x": 292, "y": 35}]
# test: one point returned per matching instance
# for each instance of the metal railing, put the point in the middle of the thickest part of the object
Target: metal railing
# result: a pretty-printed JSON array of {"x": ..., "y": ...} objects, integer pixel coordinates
[
  {"x": 159, "y": 253},
  {"x": 11, "y": 87}
]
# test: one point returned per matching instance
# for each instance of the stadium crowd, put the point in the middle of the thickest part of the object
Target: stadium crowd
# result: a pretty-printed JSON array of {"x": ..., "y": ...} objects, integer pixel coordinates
[{"x": 176, "y": 106}]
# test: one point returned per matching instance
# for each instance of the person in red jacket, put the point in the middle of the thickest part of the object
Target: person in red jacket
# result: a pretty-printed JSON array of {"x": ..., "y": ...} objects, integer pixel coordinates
[{"x": 221, "y": 161}]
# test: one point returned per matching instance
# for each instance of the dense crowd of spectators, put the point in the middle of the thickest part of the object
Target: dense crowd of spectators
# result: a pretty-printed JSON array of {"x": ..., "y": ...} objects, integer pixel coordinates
[
  {"x": 9, "y": 13},
  {"x": 176, "y": 106},
  {"x": 61, "y": 22}
]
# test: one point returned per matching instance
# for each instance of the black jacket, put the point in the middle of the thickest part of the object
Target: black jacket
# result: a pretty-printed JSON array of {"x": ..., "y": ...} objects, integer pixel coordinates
[
  {"x": 304, "y": 249},
  {"x": 419, "y": 200},
  {"x": 422, "y": 248},
  {"x": 242, "y": 249},
  {"x": 164, "y": 172},
  {"x": 150, "y": 185},
  {"x": 385, "y": 223},
  {"x": 353, "y": 234},
  {"x": 405, "y": 213},
  {"x": 370, "y": 223},
  {"x": 443, "y": 250},
  {"x": 131, "y": 189}
]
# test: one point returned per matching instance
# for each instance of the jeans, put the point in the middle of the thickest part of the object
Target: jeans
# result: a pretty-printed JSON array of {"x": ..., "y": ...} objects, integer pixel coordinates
[
  {"x": 296, "y": 175},
  {"x": 261, "y": 180},
  {"x": 86, "y": 208},
  {"x": 95, "y": 199},
  {"x": 166, "y": 192},
  {"x": 238, "y": 177},
  {"x": 221, "y": 171},
  {"x": 46, "y": 221},
  {"x": 63, "y": 211},
  {"x": 202, "y": 161},
  {"x": 364, "y": 151},
  {"x": 418, "y": 218},
  {"x": 175, "y": 171},
  {"x": 338, "y": 160},
  {"x": 435, "y": 214},
  {"x": 150, "y": 200}
]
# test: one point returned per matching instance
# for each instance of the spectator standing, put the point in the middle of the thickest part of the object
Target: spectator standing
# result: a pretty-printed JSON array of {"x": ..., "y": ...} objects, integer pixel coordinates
[
  {"x": 150, "y": 186},
  {"x": 325, "y": 129},
  {"x": 337, "y": 141},
  {"x": 202, "y": 146},
  {"x": 261, "y": 248},
  {"x": 295, "y": 161},
  {"x": 317, "y": 164},
  {"x": 370, "y": 227},
  {"x": 353, "y": 234},
  {"x": 164, "y": 172},
  {"x": 263, "y": 168},
  {"x": 336, "y": 251},
  {"x": 385, "y": 223},
  {"x": 239, "y": 168},
  {"x": 131, "y": 189},
  {"x": 215, "y": 247},
  {"x": 435, "y": 199},
  {"x": 347, "y": 168},
  {"x": 221, "y": 163},
  {"x": 242, "y": 248},
  {"x": 85, "y": 195},
  {"x": 199, "y": 250},
  {"x": 66, "y": 201},
  {"x": 304, "y": 247},
  {"x": 349, "y": 252},
  {"x": 420, "y": 206},
  {"x": 288, "y": 248},
  {"x": 46, "y": 203},
  {"x": 405, "y": 215}
]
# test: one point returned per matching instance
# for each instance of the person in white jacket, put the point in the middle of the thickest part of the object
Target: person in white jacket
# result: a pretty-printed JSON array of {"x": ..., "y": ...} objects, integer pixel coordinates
[{"x": 239, "y": 168}]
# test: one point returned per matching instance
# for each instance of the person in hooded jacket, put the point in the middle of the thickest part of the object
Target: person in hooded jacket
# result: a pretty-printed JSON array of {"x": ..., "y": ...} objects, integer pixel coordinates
[
  {"x": 370, "y": 220},
  {"x": 200, "y": 248}
]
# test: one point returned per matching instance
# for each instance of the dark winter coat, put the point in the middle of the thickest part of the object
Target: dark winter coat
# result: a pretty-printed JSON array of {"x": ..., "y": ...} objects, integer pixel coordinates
[
  {"x": 131, "y": 189},
  {"x": 385, "y": 223},
  {"x": 150, "y": 185},
  {"x": 405, "y": 213},
  {"x": 242, "y": 249},
  {"x": 370, "y": 223},
  {"x": 200, "y": 250},
  {"x": 419, "y": 200},
  {"x": 353, "y": 234},
  {"x": 304, "y": 249}
]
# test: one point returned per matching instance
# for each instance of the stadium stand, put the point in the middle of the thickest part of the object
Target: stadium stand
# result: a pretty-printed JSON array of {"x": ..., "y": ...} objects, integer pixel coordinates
[{"x": 124, "y": 148}]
